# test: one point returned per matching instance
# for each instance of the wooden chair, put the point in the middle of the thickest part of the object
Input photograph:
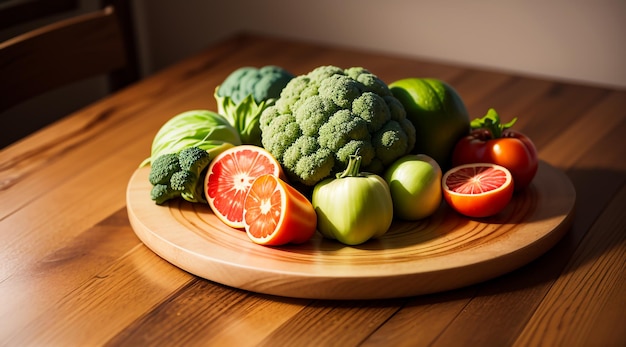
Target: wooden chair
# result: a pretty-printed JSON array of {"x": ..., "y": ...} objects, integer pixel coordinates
[{"x": 61, "y": 53}]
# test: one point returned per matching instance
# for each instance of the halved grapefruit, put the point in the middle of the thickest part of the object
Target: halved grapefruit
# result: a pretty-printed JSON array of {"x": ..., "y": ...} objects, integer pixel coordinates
[
  {"x": 275, "y": 213},
  {"x": 478, "y": 190},
  {"x": 230, "y": 176}
]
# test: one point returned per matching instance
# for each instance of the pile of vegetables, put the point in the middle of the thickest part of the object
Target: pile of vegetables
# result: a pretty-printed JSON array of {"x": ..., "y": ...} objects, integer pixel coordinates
[{"x": 362, "y": 152}]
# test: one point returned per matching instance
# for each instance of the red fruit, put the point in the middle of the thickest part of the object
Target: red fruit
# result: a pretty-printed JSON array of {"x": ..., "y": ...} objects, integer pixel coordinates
[{"x": 230, "y": 176}]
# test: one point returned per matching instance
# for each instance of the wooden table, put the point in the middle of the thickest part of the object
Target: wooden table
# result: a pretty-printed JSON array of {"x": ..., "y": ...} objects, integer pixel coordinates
[{"x": 74, "y": 273}]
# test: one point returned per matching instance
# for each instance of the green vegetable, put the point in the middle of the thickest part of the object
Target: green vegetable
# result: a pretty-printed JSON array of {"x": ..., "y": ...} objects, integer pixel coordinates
[
  {"x": 325, "y": 116},
  {"x": 263, "y": 84},
  {"x": 163, "y": 167},
  {"x": 197, "y": 128},
  {"x": 353, "y": 207},
  {"x": 161, "y": 193},
  {"x": 245, "y": 93},
  {"x": 174, "y": 175}
]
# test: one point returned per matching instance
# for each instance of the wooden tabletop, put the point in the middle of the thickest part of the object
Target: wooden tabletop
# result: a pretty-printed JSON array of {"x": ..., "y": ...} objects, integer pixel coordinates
[{"x": 74, "y": 273}]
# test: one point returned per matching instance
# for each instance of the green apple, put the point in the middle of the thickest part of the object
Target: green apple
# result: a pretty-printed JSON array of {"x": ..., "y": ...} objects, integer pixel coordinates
[{"x": 415, "y": 185}]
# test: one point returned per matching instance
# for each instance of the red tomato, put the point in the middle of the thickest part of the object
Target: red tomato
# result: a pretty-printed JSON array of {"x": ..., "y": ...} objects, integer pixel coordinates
[{"x": 492, "y": 142}]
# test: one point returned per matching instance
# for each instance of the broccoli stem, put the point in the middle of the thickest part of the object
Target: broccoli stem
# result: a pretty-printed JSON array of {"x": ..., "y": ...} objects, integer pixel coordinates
[{"x": 354, "y": 165}]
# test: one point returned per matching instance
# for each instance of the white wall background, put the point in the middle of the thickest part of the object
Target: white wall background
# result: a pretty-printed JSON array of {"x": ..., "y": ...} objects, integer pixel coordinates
[{"x": 573, "y": 40}]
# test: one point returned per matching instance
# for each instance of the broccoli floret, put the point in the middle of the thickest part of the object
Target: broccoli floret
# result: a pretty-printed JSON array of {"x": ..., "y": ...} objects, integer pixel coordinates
[
  {"x": 179, "y": 175},
  {"x": 262, "y": 83},
  {"x": 390, "y": 142},
  {"x": 187, "y": 183},
  {"x": 161, "y": 193},
  {"x": 373, "y": 109},
  {"x": 193, "y": 159},
  {"x": 305, "y": 153},
  {"x": 182, "y": 181},
  {"x": 323, "y": 117},
  {"x": 163, "y": 168}
]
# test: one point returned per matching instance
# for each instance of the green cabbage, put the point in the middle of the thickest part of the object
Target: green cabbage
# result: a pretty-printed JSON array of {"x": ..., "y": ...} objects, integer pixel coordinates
[{"x": 197, "y": 128}]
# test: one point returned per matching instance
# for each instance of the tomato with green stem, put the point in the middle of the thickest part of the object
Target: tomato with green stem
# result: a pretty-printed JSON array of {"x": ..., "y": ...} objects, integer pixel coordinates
[{"x": 490, "y": 141}]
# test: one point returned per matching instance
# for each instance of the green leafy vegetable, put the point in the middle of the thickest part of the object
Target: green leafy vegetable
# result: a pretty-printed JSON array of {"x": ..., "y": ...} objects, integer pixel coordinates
[
  {"x": 245, "y": 93},
  {"x": 244, "y": 117},
  {"x": 197, "y": 128}
]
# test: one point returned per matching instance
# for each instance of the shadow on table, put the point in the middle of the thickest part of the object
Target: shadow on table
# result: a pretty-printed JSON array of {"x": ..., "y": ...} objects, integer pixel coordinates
[{"x": 598, "y": 215}]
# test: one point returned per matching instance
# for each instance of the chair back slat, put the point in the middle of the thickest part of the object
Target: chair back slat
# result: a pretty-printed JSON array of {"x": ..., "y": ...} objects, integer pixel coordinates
[{"x": 59, "y": 54}]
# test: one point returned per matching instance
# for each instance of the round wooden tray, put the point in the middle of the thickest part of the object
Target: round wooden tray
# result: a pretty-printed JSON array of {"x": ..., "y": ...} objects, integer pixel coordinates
[{"x": 445, "y": 251}]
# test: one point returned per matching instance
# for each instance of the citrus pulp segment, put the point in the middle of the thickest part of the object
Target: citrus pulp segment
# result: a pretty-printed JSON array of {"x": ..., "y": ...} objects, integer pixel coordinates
[
  {"x": 230, "y": 176},
  {"x": 276, "y": 213},
  {"x": 478, "y": 190}
]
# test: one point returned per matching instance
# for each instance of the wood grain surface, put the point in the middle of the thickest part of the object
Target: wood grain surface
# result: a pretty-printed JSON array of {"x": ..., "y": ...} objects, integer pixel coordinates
[{"x": 74, "y": 273}]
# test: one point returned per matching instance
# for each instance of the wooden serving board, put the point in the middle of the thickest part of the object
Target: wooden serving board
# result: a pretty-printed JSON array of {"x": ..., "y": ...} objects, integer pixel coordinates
[{"x": 445, "y": 251}]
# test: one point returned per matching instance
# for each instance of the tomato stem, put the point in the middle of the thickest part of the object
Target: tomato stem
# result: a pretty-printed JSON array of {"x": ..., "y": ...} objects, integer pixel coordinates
[
  {"x": 354, "y": 165},
  {"x": 491, "y": 123}
]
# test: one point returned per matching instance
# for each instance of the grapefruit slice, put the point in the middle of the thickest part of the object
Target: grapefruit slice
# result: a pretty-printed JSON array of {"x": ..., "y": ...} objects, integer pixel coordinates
[
  {"x": 478, "y": 190},
  {"x": 276, "y": 214},
  {"x": 230, "y": 176}
]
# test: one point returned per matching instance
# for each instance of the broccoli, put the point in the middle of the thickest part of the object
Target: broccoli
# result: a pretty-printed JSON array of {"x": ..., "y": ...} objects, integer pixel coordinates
[
  {"x": 245, "y": 93},
  {"x": 160, "y": 193},
  {"x": 193, "y": 159},
  {"x": 263, "y": 83},
  {"x": 163, "y": 168},
  {"x": 323, "y": 117},
  {"x": 179, "y": 175}
]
